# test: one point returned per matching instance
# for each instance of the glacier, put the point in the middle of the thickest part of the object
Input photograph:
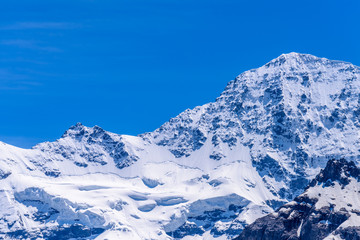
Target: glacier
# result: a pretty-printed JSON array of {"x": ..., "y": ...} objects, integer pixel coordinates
[{"x": 205, "y": 174}]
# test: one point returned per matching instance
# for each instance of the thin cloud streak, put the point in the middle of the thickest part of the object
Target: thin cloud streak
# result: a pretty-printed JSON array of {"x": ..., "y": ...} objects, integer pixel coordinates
[
  {"x": 6, "y": 75},
  {"x": 40, "y": 25},
  {"x": 22, "y": 60},
  {"x": 15, "y": 81},
  {"x": 21, "y": 43}
]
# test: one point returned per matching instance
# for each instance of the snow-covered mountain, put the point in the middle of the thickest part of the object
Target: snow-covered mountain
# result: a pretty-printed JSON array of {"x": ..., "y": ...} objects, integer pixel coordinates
[
  {"x": 209, "y": 171},
  {"x": 329, "y": 209}
]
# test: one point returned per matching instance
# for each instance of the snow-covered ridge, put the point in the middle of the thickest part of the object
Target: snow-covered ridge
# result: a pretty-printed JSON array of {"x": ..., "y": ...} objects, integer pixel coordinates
[{"x": 262, "y": 140}]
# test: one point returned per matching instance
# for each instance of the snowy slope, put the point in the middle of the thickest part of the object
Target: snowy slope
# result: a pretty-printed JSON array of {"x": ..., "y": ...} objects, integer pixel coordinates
[
  {"x": 207, "y": 172},
  {"x": 328, "y": 209}
]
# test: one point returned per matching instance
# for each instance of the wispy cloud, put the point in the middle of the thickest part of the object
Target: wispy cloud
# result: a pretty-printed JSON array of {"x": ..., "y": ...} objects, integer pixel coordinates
[
  {"x": 21, "y": 60},
  {"x": 6, "y": 75},
  {"x": 15, "y": 81},
  {"x": 39, "y": 25},
  {"x": 21, "y": 43}
]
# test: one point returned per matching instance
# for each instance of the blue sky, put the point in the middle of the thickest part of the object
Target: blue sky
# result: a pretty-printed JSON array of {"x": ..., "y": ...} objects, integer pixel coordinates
[{"x": 130, "y": 65}]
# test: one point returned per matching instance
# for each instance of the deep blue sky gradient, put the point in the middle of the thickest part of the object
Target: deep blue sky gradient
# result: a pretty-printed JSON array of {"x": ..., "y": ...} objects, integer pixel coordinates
[{"x": 130, "y": 65}]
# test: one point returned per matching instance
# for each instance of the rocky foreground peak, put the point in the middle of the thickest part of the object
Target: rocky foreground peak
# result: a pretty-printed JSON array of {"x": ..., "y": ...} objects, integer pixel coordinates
[
  {"x": 328, "y": 209},
  {"x": 340, "y": 170}
]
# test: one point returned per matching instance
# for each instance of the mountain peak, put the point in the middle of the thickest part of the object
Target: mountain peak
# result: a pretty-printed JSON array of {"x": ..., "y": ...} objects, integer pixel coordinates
[
  {"x": 78, "y": 125},
  {"x": 302, "y": 61},
  {"x": 293, "y": 55},
  {"x": 294, "y": 59},
  {"x": 261, "y": 141},
  {"x": 74, "y": 130},
  {"x": 337, "y": 170},
  {"x": 79, "y": 130},
  {"x": 296, "y": 55}
]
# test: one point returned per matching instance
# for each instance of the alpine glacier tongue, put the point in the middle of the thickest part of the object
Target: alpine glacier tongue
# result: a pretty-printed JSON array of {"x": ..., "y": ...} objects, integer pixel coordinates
[{"x": 209, "y": 171}]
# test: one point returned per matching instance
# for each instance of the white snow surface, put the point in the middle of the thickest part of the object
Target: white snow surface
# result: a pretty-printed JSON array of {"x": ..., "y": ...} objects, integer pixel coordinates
[{"x": 257, "y": 145}]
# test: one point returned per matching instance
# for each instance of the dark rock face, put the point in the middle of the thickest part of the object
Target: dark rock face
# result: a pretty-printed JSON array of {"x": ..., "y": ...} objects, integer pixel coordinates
[
  {"x": 349, "y": 233},
  {"x": 197, "y": 225},
  {"x": 48, "y": 209},
  {"x": 301, "y": 220},
  {"x": 337, "y": 170},
  {"x": 188, "y": 228},
  {"x": 96, "y": 144},
  {"x": 75, "y": 231},
  {"x": 4, "y": 174}
]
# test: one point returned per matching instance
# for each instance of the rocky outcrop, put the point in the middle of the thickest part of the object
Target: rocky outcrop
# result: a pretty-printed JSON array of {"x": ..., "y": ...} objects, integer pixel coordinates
[{"x": 321, "y": 211}]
